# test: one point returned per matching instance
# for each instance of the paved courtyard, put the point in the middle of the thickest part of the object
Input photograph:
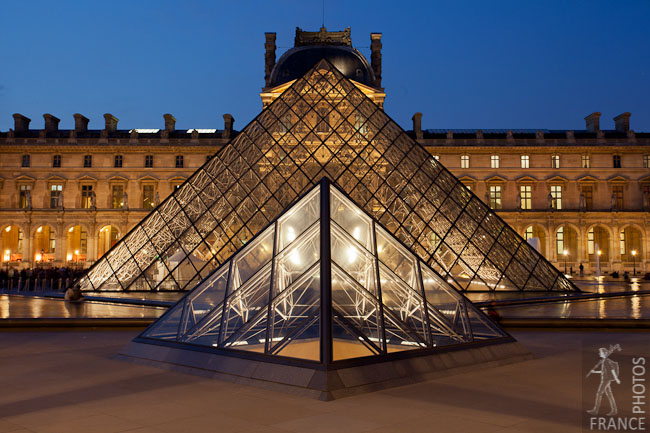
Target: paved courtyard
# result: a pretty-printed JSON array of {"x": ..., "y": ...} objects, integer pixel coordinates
[{"x": 66, "y": 381}]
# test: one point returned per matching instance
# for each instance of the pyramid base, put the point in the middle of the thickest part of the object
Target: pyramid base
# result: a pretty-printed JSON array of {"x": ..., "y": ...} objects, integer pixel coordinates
[{"x": 350, "y": 378}]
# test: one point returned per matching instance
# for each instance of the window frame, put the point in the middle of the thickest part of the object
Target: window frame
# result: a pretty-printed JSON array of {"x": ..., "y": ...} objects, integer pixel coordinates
[
  {"x": 555, "y": 161},
  {"x": 118, "y": 161},
  {"x": 556, "y": 194},
  {"x": 180, "y": 161},
  {"x": 148, "y": 161},
  {"x": 56, "y": 161},
  {"x": 495, "y": 161},
  {"x": 525, "y": 161},
  {"x": 88, "y": 161},
  {"x": 616, "y": 161},
  {"x": 464, "y": 161},
  {"x": 26, "y": 160}
]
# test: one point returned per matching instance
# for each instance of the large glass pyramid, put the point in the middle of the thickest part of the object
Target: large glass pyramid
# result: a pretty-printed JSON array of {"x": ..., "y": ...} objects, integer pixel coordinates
[
  {"x": 324, "y": 282},
  {"x": 322, "y": 126}
]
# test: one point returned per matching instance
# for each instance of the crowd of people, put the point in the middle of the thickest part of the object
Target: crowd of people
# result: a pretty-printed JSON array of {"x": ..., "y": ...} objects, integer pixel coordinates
[{"x": 50, "y": 278}]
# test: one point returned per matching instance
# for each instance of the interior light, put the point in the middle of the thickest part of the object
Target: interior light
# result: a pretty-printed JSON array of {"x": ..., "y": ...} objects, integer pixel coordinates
[
  {"x": 352, "y": 254},
  {"x": 294, "y": 257},
  {"x": 357, "y": 233},
  {"x": 40, "y": 229},
  {"x": 76, "y": 252},
  {"x": 8, "y": 229},
  {"x": 291, "y": 234},
  {"x": 380, "y": 248},
  {"x": 69, "y": 257},
  {"x": 70, "y": 230},
  {"x": 634, "y": 252},
  {"x": 38, "y": 257}
]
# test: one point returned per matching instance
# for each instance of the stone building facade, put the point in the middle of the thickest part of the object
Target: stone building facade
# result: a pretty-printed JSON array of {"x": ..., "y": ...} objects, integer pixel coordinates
[{"x": 66, "y": 196}]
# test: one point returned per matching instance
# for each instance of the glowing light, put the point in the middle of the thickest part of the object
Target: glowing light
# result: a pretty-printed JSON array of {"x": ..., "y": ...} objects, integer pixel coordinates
[
  {"x": 76, "y": 252},
  {"x": 356, "y": 233},
  {"x": 69, "y": 257},
  {"x": 634, "y": 252},
  {"x": 380, "y": 248},
  {"x": 565, "y": 252},
  {"x": 294, "y": 257},
  {"x": 291, "y": 234},
  {"x": 71, "y": 229},
  {"x": 352, "y": 254},
  {"x": 38, "y": 257},
  {"x": 40, "y": 229},
  {"x": 8, "y": 229},
  {"x": 600, "y": 252}
]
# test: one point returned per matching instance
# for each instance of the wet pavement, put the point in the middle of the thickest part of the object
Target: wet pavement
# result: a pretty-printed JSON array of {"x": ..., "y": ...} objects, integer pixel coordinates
[{"x": 22, "y": 307}]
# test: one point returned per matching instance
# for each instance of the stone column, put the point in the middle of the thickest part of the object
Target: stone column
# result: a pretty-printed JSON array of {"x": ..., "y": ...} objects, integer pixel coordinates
[
  {"x": 60, "y": 253},
  {"x": 28, "y": 254}
]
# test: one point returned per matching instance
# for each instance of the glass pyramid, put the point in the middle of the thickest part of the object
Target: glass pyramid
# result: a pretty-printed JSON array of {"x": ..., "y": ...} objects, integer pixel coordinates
[
  {"x": 324, "y": 282},
  {"x": 322, "y": 126}
]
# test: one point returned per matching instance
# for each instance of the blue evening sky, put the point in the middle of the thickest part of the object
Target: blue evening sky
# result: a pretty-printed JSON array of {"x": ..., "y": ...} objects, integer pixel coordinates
[{"x": 464, "y": 64}]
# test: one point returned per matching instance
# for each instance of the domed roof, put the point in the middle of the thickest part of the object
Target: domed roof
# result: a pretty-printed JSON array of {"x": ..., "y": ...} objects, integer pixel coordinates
[{"x": 297, "y": 61}]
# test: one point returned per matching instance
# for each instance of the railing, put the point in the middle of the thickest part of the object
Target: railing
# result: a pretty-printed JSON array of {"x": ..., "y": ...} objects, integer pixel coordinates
[{"x": 32, "y": 285}]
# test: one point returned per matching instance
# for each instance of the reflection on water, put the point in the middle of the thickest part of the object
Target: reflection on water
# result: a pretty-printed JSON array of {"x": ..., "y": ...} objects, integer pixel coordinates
[
  {"x": 634, "y": 306},
  {"x": 18, "y": 307}
]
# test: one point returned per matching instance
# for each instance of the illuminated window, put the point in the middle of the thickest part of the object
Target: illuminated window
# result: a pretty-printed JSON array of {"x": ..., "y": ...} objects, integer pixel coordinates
[
  {"x": 525, "y": 161},
  {"x": 469, "y": 187},
  {"x": 526, "y": 193},
  {"x": 621, "y": 241},
  {"x": 55, "y": 192},
  {"x": 590, "y": 241},
  {"x": 179, "y": 161},
  {"x": 646, "y": 161},
  {"x": 27, "y": 160},
  {"x": 556, "y": 194},
  {"x": 616, "y": 161},
  {"x": 86, "y": 194},
  {"x": 464, "y": 161},
  {"x": 436, "y": 157},
  {"x": 52, "y": 242},
  {"x": 148, "y": 196},
  {"x": 494, "y": 161},
  {"x": 25, "y": 190},
  {"x": 495, "y": 196},
  {"x": 528, "y": 234},
  {"x": 56, "y": 161},
  {"x": 118, "y": 161},
  {"x": 559, "y": 241},
  {"x": 117, "y": 196},
  {"x": 555, "y": 161},
  {"x": 148, "y": 161},
  {"x": 586, "y": 161}
]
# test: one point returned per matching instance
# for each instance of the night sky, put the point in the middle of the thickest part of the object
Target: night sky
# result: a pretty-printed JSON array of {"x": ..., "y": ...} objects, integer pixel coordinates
[{"x": 476, "y": 64}]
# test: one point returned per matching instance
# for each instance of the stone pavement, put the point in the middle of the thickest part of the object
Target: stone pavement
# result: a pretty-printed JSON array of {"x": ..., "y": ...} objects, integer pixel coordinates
[{"x": 66, "y": 381}]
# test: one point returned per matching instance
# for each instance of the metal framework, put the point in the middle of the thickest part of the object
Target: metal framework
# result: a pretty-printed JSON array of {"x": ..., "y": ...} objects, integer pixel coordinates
[
  {"x": 322, "y": 126},
  {"x": 374, "y": 298}
]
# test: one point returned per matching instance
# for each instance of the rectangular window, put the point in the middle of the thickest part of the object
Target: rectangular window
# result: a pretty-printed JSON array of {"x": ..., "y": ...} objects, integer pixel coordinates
[
  {"x": 588, "y": 194},
  {"x": 27, "y": 160},
  {"x": 646, "y": 161},
  {"x": 586, "y": 161},
  {"x": 469, "y": 187},
  {"x": 616, "y": 161},
  {"x": 179, "y": 161},
  {"x": 526, "y": 193},
  {"x": 148, "y": 161},
  {"x": 117, "y": 196},
  {"x": 556, "y": 194},
  {"x": 56, "y": 161},
  {"x": 621, "y": 242},
  {"x": 25, "y": 192},
  {"x": 86, "y": 194},
  {"x": 590, "y": 242},
  {"x": 618, "y": 191},
  {"x": 559, "y": 242},
  {"x": 52, "y": 242},
  {"x": 55, "y": 192},
  {"x": 494, "y": 161},
  {"x": 88, "y": 161},
  {"x": 464, "y": 161},
  {"x": 525, "y": 161},
  {"x": 495, "y": 196},
  {"x": 119, "y": 159},
  {"x": 555, "y": 161},
  {"x": 148, "y": 197}
]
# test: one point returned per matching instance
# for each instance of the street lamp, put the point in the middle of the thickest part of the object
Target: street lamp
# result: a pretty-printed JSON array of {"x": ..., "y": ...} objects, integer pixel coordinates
[
  {"x": 566, "y": 253},
  {"x": 634, "y": 260}
]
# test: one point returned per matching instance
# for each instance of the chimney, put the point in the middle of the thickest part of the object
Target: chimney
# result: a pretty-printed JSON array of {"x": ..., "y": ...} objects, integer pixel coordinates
[
  {"x": 80, "y": 122},
  {"x": 51, "y": 122},
  {"x": 622, "y": 122},
  {"x": 417, "y": 125},
  {"x": 111, "y": 122},
  {"x": 21, "y": 123},
  {"x": 228, "y": 121},
  {"x": 170, "y": 122},
  {"x": 593, "y": 122},
  {"x": 269, "y": 57},
  {"x": 375, "y": 57}
]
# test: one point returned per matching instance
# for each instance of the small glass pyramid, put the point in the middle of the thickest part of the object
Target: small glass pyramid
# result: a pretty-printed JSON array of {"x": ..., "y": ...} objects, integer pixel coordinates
[
  {"x": 322, "y": 126},
  {"x": 324, "y": 282}
]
